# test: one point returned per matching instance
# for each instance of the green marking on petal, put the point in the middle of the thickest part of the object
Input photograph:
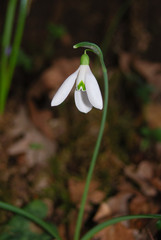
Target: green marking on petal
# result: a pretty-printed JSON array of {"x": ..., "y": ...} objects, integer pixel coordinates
[{"x": 82, "y": 86}]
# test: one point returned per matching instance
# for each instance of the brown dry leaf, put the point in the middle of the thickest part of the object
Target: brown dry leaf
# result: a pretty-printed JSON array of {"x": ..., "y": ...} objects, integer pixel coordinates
[
  {"x": 125, "y": 61},
  {"x": 149, "y": 70},
  {"x": 118, "y": 203},
  {"x": 145, "y": 170},
  {"x": 19, "y": 189},
  {"x": 102, "y": 212},
  {"x": 50, "y": 206},
  {"x": 115, "y": 232},
  {"x": 41, "y": 182},
  {"x": 158, "y": 150},
  {"x": 125, "y": 186},
  {"x": 152, "y": 114},
  {"x": 76, "y": 189},
  {"x": 53, "y": 77},
  {"x": 44, "y": 121},
  {"x": 156, "y": 181},
  {"x": 66, "y": 39},
  {"x": 96, "y": 196},
  {"x": 143, "y": 181},
  {"x": 141, "y": 205},
  {"x": 41, "y": 119},
  {"x": 62, "y": 231},
  {"x": 36, "y": 147},
  {"x": 35, "y": 228},
  {"x": 47, "y": 84},
  {"x": 114, "y": 205}
]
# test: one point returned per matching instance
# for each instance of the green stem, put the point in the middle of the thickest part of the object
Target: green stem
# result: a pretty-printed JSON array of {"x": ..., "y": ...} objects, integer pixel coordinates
[
  {"x": 17, "y": 39},
  {"x": 6, "y": 44},
  {"x": 8, "y": 65},
  {"x": 95, "y": 153},
  {"x": 112, "y": 221},
  {"x": 52, "y": 230}
]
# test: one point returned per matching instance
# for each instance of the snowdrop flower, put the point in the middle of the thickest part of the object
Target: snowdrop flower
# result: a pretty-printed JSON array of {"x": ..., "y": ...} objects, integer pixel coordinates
[{"x": 87, "y": 93}]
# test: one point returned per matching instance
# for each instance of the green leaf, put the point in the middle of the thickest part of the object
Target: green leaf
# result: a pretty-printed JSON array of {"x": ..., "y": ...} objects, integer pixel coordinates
[
  {"x": 33, "y": 207},
  {"x": 156, "y": 134},
  {"x": 56, "y": 31},
  {"x": 145, "y": 143},
  {"x": 112, "y": 221},
  {"x": 152, "y": 134},
  {"x": 24, "y": 60},
  {"x": 158, "y": 224},
  {"x": 145, "y": 131},
  {"x": 38, "y": 208},
  {"x": 144, "y": 91}
]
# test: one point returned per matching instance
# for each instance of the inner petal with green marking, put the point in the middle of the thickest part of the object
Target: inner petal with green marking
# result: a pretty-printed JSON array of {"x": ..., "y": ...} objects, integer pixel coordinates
[{"x": 81, "y": 86}]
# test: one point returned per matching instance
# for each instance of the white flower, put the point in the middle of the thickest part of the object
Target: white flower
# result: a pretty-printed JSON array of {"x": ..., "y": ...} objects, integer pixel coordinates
[{"x": 87, "y": 92}]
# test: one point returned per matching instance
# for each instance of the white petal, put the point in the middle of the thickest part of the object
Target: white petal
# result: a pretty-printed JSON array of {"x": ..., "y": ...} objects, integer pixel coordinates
[
  {"x": 64, "y": 89},
  {"x": 82, "y": 102},
  {"x": 93, "y": 90},
  {"x": 81, "y": 75}
]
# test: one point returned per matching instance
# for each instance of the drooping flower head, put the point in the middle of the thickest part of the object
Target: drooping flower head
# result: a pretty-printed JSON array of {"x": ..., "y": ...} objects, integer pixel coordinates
[{"x": 87, "y": 93}]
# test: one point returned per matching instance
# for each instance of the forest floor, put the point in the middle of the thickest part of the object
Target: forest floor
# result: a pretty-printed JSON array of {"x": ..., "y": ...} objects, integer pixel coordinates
[{"x": 45, "y": 152}]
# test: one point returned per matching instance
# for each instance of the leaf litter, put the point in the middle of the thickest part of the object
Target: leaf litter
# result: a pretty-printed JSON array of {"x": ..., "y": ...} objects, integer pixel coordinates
[{"x": 34, "y": 137}]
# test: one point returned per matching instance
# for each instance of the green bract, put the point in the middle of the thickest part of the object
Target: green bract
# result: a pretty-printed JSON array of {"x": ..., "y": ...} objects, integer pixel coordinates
[{"x": 84, "y": 59}]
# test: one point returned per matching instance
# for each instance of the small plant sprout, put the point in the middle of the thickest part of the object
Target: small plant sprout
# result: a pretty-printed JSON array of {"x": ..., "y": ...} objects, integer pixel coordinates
[{"x": 87, "y": 93}]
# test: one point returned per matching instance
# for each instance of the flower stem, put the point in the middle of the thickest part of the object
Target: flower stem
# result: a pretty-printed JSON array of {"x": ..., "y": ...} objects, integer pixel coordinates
[{"x": 95, "y": 153}]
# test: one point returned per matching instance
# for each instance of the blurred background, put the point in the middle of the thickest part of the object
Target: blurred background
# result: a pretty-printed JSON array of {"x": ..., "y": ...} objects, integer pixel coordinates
[{"x": 45, "y": 152}]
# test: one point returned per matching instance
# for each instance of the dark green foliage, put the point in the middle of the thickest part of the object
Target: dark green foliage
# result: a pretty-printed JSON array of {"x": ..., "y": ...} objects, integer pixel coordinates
[
  {"x": 56, "y": 31},
  {"x": 150, "y": 135},
  {"x": 20, "y": 228},
  {"x": 24, "y": 61},
  {"x": 138, "y": 87}
]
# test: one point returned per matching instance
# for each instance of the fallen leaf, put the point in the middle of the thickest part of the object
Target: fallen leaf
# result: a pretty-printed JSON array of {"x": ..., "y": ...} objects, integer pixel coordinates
[
  {"x": 115, "y": 232},
  {"x": 146, "y": 186},
  {"x": 156, "y": 181},
  {"x": 76, "y": 189},
  {"x": 53, "y": 77},
  {"x": 151, "y": 71},
  {"x": 145, "y": 170},
  {"x": 31, "y": 142},
  {"x": 141, "y": 205},
  {"x": 114, "y": 205},
  {"x": 103, "y": 211},
  {"x": 125, "y": 59},
  {"x": 152, "y": 113},
  {"x": 43, "y": 119}
]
